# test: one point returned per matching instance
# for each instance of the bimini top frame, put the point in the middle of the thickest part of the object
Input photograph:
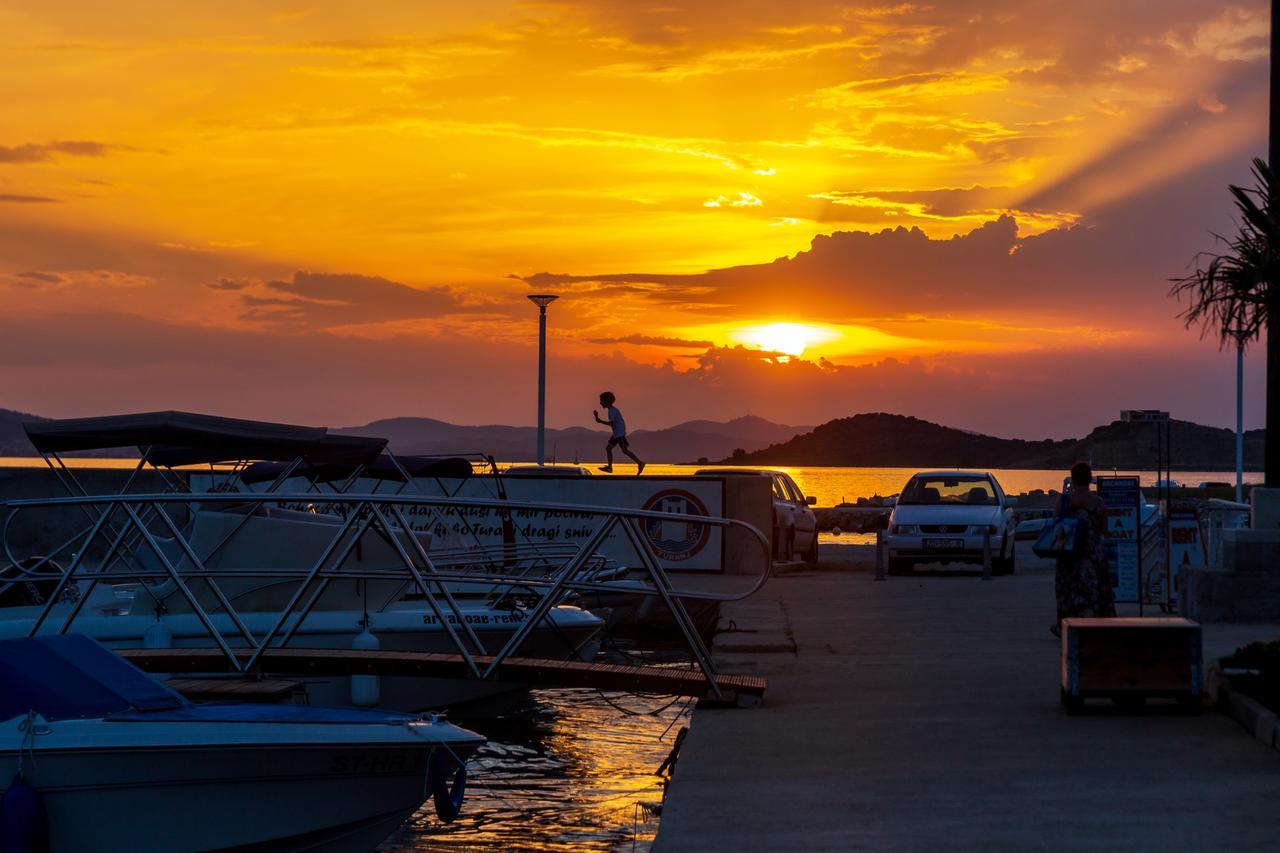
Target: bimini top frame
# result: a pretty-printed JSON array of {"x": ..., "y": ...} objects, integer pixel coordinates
[
  {"x": 384, "y": 516},
  {"x": 171, "y": 439}
]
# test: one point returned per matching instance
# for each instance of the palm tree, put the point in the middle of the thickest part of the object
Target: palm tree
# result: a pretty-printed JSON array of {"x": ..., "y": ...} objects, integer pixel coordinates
[{"x": 1235, "y": 295}]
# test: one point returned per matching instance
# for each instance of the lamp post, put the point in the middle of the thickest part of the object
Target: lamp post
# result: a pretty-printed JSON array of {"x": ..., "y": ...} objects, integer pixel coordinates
[
  {"x": 1240, "y": 335},
  {"x": 542, "y": 300}
]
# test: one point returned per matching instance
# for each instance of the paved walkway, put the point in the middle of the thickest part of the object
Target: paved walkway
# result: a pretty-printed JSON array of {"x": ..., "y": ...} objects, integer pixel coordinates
[{"x": 922, "y": 714}]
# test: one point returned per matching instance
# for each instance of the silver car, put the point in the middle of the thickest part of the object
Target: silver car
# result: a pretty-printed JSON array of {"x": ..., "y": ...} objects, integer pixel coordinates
[
  {"x": 795, "y": 528},
  {"x": 950, "y": 517}
]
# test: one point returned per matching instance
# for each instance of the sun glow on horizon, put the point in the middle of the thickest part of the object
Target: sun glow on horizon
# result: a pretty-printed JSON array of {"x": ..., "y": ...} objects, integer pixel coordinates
[{"x": 787, "y": 338}]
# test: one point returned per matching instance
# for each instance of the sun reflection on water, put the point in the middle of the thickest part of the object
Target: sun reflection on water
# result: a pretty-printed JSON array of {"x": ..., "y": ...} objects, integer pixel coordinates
[{"x": 572, "y": 770}]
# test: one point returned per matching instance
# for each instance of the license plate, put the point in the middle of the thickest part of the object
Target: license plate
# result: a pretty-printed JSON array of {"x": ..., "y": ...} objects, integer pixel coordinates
[{"x": 950, "y": 544}]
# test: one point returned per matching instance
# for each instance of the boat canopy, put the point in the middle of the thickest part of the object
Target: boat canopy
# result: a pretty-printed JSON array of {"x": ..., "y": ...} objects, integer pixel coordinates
[
  {"x": 72, "y": 677},
  {"x": 381, "y": 468},
  {"x": 341, "y": 450},
  {"x": 186, "y": 438}
]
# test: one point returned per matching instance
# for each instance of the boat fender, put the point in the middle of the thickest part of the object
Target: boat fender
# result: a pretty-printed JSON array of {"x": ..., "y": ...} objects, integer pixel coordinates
[
  {"x": 448, "y": 800},
  {"x": 365, "y": 689},
  {"x": 24, "y": 828},
  {"x": 157, "y": 636}
]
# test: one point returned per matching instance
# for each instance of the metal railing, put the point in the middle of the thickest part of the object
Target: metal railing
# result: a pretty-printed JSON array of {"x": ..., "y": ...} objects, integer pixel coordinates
[{"x": 561, "y": 570}]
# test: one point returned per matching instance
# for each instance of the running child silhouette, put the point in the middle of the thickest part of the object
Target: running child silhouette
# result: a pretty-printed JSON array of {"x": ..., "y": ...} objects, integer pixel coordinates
[{"x": 619, "y": 437}]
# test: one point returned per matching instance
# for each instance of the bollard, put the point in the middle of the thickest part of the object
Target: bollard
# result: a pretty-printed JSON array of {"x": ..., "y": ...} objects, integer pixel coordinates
[
  {"x": 879, "y": 555},
  {"x": 986, "y": 556}
]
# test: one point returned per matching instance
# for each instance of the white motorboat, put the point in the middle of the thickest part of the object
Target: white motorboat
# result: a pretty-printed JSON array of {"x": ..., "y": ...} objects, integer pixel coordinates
[
  {"x": 121, "y": 763},
  {"x": 573, "y": 633}
]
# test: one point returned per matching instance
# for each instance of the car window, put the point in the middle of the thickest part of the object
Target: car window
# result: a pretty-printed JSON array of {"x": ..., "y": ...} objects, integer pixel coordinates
[
  {"x": 949, "y": 490},
  {"x": 778, "y": 491},
  {"x": 793, "y": 490}
]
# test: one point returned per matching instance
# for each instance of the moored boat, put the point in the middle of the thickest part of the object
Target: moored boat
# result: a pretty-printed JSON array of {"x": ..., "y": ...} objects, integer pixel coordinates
[{"x": 121, "y": 763}]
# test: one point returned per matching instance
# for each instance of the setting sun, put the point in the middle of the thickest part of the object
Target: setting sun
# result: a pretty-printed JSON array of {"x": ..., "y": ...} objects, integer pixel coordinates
[{"x": 787, "y": 338}]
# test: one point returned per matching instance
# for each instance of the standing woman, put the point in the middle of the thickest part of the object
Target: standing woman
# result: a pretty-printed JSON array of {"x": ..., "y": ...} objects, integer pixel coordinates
[{"x": 1083, "y": 582}]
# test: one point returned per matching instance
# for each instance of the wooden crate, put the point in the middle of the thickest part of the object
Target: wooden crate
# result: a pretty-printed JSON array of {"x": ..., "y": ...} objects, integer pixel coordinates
[{"x": 1131, "y": 659}]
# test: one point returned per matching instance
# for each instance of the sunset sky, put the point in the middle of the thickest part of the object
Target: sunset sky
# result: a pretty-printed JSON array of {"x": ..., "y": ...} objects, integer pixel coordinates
[{"x": 327, "y": 212}]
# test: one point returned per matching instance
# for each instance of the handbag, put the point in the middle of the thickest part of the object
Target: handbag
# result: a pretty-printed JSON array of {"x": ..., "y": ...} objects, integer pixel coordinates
[{"x": 1067, "y": 537}]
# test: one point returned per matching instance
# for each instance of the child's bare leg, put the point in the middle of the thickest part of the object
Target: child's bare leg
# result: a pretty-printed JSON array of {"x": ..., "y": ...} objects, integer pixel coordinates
[
  {"x": 636, "y": 459},
  {"x": 608, "y": 452}
]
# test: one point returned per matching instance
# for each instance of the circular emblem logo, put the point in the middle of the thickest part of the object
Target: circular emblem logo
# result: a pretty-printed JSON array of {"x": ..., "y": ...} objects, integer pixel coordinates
[{"x": 676, "y": 540}]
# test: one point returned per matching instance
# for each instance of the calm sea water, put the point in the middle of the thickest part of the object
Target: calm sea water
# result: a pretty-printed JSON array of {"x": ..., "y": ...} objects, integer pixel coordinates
[
  {"x": 573, "y": 770},
  {"x": 830, "y": 485}
]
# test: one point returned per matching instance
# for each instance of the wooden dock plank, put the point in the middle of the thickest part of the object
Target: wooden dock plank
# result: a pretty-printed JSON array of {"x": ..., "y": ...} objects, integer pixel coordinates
[{"x": 535, "y": 671}]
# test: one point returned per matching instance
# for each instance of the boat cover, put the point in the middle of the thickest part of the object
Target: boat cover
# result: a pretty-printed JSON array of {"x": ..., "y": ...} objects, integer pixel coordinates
[
  {"x": 382, "y": 468},
  {"x": 186, "y": 438},
  {"x": 183, "y": 429},
  {"x": 341, "y": 450},
  {"x": 72, "y": 676}
]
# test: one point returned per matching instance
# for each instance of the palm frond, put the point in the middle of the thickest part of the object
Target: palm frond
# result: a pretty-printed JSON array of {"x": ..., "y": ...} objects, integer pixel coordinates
[{"x": 1230, "y": 293}]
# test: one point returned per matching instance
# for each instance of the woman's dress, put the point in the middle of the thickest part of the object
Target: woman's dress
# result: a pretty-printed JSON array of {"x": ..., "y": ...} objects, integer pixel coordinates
[{"x": 1083, "y": 583}]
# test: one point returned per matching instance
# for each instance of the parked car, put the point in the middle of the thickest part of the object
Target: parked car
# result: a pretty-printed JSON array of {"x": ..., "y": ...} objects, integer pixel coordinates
[
  {"x": 795, "y": 527},
  {"x": 945, "y": 516}
]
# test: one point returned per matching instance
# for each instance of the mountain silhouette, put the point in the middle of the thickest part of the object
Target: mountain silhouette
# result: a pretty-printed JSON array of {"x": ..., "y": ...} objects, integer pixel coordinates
[{"x": 885, "y": 440}]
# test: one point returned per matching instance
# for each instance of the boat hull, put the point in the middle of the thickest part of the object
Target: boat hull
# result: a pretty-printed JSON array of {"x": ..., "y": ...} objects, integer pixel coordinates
[{"x": 330, "y": 792}]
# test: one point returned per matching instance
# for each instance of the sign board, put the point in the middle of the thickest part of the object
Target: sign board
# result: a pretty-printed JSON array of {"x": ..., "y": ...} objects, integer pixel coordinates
[
  {"x": 1123, "y": 498},
  {"x": 679, "y": 545},
  {"x": 1186, "y": 547}
]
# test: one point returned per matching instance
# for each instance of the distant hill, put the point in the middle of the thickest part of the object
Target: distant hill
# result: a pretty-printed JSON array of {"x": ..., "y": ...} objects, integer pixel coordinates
[
  {"x": 686, "y": 442},
  {"x": 866, "y": 440},
  {"x": 885, "y": 440},
  {"x": 13, "y": 441}
]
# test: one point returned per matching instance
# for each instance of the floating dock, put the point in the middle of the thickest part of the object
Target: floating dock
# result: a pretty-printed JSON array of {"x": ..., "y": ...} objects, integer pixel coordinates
[{"x": 736, "y": 689}]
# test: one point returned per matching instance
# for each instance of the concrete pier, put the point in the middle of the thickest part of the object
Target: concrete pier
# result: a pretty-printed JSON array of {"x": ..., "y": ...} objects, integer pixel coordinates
[{"x": 923, "y": 714}]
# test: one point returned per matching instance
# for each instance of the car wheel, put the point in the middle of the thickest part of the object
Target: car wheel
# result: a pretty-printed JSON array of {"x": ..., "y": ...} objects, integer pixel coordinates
[
  {"x": 811, "y": 556},
  {"x": 1003, "y": 565},
  {"x": 899, "y": 566}
]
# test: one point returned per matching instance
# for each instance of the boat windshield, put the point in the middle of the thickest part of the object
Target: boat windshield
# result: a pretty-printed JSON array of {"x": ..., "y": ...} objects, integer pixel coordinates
[{"x": 949, "y": 490}]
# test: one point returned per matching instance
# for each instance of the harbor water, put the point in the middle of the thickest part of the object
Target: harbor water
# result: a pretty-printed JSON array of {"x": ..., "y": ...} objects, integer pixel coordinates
[
  {"x": 570, "y": 770},
  {"x": 831, "y": 485}
]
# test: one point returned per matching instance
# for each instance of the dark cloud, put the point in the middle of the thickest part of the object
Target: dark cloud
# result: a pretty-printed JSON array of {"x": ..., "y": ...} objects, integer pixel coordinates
[
  {"x": 654, "y": 340},
  {"x": 226, "y": 284},
  {"x": 42, "y": 152},
  {"x": 47, "y": 277},
  {"x": 325, "y": 300},
  {"x": 894, "y": 270},
  {"x": 1109, "y": 271},
  {"x": 11, "y": 198}
]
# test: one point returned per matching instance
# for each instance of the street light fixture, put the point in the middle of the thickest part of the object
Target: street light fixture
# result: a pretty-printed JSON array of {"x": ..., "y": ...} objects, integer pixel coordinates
[{"x": 542, "y": 300}]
